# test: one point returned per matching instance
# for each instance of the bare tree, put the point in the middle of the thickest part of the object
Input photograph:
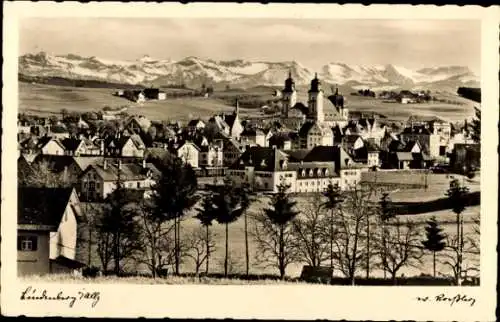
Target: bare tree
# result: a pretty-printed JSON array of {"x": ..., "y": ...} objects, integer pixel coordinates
[
  {"x": 311, "y": 241},
  {"x": 351, "y": 222},
  {"x": 451, "y": 257},
  {"x": 399, "y": 246},
  {"x": 157, "y": 251},
  {"x": 200, "y": 245}
]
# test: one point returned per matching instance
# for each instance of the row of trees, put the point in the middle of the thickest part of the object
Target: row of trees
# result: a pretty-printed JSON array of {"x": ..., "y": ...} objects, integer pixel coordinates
[{"x": 346, "y": 229}]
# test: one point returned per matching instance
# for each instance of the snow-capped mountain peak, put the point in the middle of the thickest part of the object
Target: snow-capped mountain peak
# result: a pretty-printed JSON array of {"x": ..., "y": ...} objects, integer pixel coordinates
[{"x": 238, "y": 72}]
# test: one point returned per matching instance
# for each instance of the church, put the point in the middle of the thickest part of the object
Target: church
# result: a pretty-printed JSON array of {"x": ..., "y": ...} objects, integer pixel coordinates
[{"x": 327, "y": 111}]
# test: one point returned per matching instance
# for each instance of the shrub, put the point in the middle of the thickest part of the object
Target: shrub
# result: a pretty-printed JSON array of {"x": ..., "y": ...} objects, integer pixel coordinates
[{"x": 90, "y": 272}]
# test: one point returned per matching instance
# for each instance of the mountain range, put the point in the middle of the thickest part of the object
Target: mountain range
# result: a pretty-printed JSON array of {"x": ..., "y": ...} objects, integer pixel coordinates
[{"x": 194, "y": 71}]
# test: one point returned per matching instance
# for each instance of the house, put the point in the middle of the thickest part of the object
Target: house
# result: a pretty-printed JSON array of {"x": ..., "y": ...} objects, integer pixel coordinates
[
  {"x": 264, "y": 168},
  {"x": 137, "y": 96},
  {"x": 315, "y": 176},
  {"x": 99, "y": 180},
  {"x": 195, "y": 125},
  {"x": 284, "y": 140},
  {"x": 124, "y": 146},
  {"x": 74, "y": 146},
  {"x": 187, "y": 151},
  {"x": 154, "y": 94},
  {"x": 232, "y": 150},
  {"x": 47, "y": 229},
  {"x": 81, "y": 124},
  {"x": 303, "y": 170},
  {"x": 352, "y": 143},
  {"x": 429, "y": 142},
  {"x": 348, "y": 170},
  {"x": 253, "y": 137},
  {"x": 211, "y": 156},
  {"x": 58, "y": 131},
  {"x": 408, "y": 155},
  {"x": 138, "y": 124},
  {"x": 313, "y": 134},
  {"x": 435, "y": 125},
  {"x": 51, "y": 146},
  {"x": 23, "y": 127}
]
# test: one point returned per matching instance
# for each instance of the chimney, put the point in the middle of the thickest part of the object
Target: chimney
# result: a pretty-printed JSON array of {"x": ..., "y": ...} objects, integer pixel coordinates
[
  {"x": 119, "y": 164},
  {"x": 105, "y": 164},
  {"x": 144, "y": 163},
  {"x": 102, "y": 147}
]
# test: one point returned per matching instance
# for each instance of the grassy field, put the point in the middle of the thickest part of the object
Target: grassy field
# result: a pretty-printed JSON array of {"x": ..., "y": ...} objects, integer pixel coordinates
[
  {"x": 170, "y": 280},
  {"x": 48, "y": 99}
]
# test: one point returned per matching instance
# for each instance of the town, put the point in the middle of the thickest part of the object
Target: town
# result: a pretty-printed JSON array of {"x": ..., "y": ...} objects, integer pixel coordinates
[{"x": 74, "y": 162}]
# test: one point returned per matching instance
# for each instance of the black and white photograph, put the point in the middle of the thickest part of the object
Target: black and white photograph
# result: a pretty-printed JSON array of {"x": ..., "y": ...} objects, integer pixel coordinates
[{"x": 340, "y": 154}]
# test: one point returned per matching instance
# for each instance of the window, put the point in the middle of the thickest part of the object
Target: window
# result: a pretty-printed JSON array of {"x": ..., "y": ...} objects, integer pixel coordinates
[
  {"x": 27, "y": 243},
  {"x": 91, "y": 186},
  {"x": 138, "y": 184}
]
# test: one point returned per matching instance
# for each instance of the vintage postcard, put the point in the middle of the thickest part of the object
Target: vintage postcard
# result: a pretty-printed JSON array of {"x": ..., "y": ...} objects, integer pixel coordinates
[{"x": 284, "y": 161}]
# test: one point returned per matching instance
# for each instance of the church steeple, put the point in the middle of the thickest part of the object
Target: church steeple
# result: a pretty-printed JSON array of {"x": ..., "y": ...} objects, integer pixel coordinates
[
  {"x": 315, "y": 101},
  {"x": 289, "y": 95},
  {"x": 289, "y": 83},
  {"x": 315, "y": 84},
  {"x": 237, "y": 107}
]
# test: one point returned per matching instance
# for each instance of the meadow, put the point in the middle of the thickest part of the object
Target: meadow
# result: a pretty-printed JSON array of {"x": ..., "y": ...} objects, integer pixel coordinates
[{"x": 50, "y": 99}]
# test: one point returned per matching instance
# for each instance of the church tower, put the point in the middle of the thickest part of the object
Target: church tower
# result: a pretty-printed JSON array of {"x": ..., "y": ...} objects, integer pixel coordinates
[
  {"x": 339, "y": 103},
  {"x": 289, "y": 95},
  {"x": 315, "y": 101}
]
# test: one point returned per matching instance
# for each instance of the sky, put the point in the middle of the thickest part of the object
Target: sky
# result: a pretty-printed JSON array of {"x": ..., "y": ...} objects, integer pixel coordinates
[{"x": 409, "y": 43}]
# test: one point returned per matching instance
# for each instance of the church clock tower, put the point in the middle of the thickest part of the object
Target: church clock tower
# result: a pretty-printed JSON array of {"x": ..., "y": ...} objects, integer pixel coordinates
[
  {"x": 289, "y": 95},
  {"x": 315, "y": 101}
]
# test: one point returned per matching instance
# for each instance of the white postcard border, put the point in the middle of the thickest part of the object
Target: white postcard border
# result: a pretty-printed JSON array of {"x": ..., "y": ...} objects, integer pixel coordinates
[{"x": 271, "y": 302}]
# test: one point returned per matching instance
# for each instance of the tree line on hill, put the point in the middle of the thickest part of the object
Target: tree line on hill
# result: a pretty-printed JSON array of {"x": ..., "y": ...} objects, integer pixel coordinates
[
  {"x": 470, "y": 93},
  {"x": 346, "y": 230},
  {"x": 62, "y": 81}
]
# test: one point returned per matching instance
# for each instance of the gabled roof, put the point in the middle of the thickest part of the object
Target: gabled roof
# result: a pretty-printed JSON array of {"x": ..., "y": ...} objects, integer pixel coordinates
[
  {"x": 84, "y": 161},
  {"x": 71, "y": 144},
  {"x": 230, "y": 119},
  {"x": 128, "y": 171},
  {"x": 405, "y": 156},
  {"x": 59, "y": 128},
  {"x": 219, "y": 122},
  {"x": 416, "y": 130},
  {"x": 297, "y": 155},
  {"x": 261, "y": 158},
  {"x": 143, "y": 122},
  {"x": 42, "y": 206},
  {"x": 120, "y": 142}
]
